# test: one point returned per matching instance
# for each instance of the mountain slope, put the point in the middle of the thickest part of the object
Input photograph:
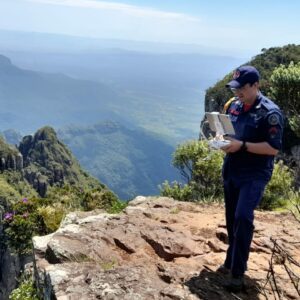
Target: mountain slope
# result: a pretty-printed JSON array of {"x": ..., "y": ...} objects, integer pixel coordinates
[
  {"x": 47, "y": 161},
  {"x": 30, "y": 99},
  {"x": 266, "y": 62},
  {"x": 129, "y": 161}
]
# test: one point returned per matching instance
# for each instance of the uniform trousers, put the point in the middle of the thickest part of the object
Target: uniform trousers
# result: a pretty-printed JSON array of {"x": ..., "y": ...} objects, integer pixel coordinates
[{"x": 241, "y": 198}]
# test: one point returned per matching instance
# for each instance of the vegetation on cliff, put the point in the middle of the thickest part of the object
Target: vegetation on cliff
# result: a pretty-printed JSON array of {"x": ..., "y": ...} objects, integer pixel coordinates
[
  {"x": 34, "y": 200},
  {"x": 125, "y": 159},
  {"x": 201, "y": 167},
  {"x": 266, "y": 63},
  {"x": 280, "y": 70}
]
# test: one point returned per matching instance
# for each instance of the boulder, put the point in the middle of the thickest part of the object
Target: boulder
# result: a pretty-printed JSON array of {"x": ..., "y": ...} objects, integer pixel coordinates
[{"x": 157, "y": 248}]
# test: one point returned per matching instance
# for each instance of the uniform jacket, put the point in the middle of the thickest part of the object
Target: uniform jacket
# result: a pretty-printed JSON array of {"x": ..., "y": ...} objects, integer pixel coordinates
[{"x": 262, "y": 123}]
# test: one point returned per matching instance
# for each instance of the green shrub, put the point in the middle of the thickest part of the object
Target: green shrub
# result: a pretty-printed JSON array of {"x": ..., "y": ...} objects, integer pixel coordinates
[
  {"x": 69, "y": 196},
  {"x": 52, "y": 215},
  {"x": 294, "y": 206},
  {"x": 201, "y": 167},
  {"x": 99, "y": 198},
  {"x": 117, "y": 207},
  {"x": 8, "y": 193},
  {"x": 25, "y": 291},
  {"x": 277, "y": 193},
  {"x": 16, "y": 180},
  {"x": 177, "y": 191}
]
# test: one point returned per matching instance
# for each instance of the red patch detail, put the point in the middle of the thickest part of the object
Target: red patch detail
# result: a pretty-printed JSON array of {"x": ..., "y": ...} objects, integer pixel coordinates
[
  {"x": 234, "y": 112},
  {"x": 273, "y": 130},
  {"x": 247, "y": 107},
  {"x": 236, "y": 74}
]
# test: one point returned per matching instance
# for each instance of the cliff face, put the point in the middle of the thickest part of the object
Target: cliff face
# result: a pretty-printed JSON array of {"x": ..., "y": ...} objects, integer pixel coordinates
[
  {"x": 47, "y": 161},
  {"x": 40, "y": 161},
  {"x": 157, "y": 248},
  {"x": 10, "y": 157}
]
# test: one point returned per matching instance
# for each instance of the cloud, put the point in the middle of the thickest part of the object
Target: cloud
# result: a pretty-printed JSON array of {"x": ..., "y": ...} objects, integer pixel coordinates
[{"x": 133, "y": 10}]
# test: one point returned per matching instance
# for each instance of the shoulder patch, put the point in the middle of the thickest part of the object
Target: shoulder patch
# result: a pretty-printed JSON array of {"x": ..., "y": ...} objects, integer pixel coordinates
[{"x": 273, "y": 119}]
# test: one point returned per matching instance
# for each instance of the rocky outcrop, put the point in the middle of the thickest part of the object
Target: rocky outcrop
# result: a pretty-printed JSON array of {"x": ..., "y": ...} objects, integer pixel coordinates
[
  {"x": 10, "y": 157},
  {"x": 11, "y": 162},
  {"x": 157, "y": 248},
  {"x": 11, "y": 266},
  {"x": 47, "y": 162}
]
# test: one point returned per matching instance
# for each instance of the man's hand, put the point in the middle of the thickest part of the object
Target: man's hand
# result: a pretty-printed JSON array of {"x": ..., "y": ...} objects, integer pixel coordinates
[
  {"x": 262, "y": 148},
  {"x": 234, "y": 146}
]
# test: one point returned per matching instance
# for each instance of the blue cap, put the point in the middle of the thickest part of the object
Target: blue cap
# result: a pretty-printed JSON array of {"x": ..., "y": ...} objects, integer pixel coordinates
[{"x": 242, "y": 76}]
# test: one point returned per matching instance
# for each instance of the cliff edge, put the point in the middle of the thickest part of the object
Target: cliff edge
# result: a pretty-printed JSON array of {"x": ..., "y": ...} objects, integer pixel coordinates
[{"x": 158, "y": 248}]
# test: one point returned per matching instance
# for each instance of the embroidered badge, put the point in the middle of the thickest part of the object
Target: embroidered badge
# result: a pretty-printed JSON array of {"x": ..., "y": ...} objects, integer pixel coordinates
[
  {"x": 273, "y": 119},
  {"x": 236, "y": 74}
]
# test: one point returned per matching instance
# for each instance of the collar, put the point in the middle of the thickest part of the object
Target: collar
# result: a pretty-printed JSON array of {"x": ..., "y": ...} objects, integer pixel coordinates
[{"x": 257, "y": 103}]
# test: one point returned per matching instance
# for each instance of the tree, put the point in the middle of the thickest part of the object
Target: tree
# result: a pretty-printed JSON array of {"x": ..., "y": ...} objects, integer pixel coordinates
[
  {"x": 285, "y": 89},
  {"x": 201, "y": 168}
]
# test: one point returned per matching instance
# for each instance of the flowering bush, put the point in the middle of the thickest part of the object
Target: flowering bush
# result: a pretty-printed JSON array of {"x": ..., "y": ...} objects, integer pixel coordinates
[{"x": 21, "y": 224}]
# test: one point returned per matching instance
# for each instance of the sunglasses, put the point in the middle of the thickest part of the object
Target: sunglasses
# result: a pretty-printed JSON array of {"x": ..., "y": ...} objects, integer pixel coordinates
[{"x": 236, "y": 90}]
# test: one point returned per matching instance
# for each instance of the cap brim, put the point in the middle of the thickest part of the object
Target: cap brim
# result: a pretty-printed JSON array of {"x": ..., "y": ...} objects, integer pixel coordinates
[{"x": 233, "y": 84}]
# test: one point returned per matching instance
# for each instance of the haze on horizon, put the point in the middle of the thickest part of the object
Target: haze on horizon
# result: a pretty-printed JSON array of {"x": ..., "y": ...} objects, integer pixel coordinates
[{"x": 236, "y": 27}]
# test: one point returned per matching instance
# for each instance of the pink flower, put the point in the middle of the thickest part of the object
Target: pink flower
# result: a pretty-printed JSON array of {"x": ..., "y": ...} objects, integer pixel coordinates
[{"x": 8, "y": 216}]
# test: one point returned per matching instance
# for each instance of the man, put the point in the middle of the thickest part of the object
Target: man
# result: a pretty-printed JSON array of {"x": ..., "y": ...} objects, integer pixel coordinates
[{"x": 248, "y": 165}]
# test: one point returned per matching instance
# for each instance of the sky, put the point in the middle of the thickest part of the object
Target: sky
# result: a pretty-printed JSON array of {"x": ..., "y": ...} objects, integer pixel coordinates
[{"x": 239, "y": 25}]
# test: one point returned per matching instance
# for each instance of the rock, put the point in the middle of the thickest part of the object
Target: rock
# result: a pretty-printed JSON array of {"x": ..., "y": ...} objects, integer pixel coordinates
[
  {"x": 221, "y": 234},
  {"x": 11, "y": 265},
  {"x": 151, "y": 252}
]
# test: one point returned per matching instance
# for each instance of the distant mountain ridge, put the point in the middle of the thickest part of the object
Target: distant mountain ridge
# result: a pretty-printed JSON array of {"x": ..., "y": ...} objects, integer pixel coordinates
[
  {"x": 162, "y": 84},
  {"x": 30, "y": 100},
  {"x": 130, "y": 162},
  {"x": 51, "y": 42}
]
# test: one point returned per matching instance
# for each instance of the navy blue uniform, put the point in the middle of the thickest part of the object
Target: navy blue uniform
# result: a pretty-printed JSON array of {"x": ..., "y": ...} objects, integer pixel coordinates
[{"x": 246, "y": 174}]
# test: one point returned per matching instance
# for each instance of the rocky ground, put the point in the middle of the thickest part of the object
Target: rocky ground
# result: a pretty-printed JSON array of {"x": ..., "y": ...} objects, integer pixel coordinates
[{"x": 158, "y": 249}]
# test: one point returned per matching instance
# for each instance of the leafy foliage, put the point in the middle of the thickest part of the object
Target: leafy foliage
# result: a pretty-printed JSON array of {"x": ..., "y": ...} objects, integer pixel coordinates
[
  {"x": 25, "y": 291},
  {"x": 47, "y": 159},
  {"x": 295, "y": 204},
  {"x": 177, "y": 191},
  {"x": 16, "y": 180},
  {"x": 124, "y": 159},
  {"x": 52, "y": 215},
  {"x": 8, "y": 193},
  {"x": 265, "y": 62},
  {"x": 40, "y": 216},
  {"x": 99, "y": 199},
  {"x": 200, "y": 167},
  {"x": 70, "y": 188},
  {"x": 285, "y": 88},
  {"x": 277, "y": 193},
  {"x": 21, "y": 224}
]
